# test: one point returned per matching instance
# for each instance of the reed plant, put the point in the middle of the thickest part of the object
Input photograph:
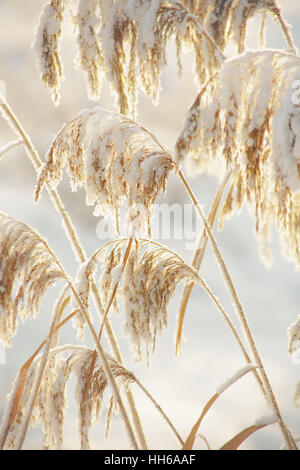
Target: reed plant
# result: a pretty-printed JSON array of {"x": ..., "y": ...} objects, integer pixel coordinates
[{"x": 243, "y": 127}]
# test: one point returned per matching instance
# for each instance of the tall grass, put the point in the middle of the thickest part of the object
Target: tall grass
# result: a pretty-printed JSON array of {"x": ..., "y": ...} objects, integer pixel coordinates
[{"x": 243, "y": 126}]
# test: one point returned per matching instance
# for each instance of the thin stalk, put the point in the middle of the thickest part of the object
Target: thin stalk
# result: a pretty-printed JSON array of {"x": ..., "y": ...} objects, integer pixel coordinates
[
  {"x": 267, "y": 386},
  {"x": 10, "y": 146},
  {"x": 79, "y": 252},
  {"x": 242, "y": 317},
  {"x": 106, "y": 367},
  {"x": 134, "y": 413},
  {"x": 148, "y": 394},
  {"x": 198, "y": 258},
  {"x": 38, "y": 380},
  {"x": 286, "y": 31},
  {"x": 221, "y": 309},
  {"x": 262, "y": 31},
  {"x": 143, "y": 441},
  {"x": 22, "y": 375}
]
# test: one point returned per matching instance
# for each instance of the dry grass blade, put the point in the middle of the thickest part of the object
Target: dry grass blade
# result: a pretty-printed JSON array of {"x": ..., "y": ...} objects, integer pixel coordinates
[
  {"x": 267, "y": 388},
  {"x": 27, "y": 270},
  {"x": 114, "y": 159},
  {"x": 238, "y": 124},
  {"x": 46, "y": 45},
  {"x": 188, "y": 445},
  {"x": 238, "y": 439}
]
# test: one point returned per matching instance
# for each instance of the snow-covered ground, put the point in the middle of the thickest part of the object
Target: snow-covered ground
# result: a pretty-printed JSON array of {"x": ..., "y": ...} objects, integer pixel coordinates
[{"x": 270, "y": 297}]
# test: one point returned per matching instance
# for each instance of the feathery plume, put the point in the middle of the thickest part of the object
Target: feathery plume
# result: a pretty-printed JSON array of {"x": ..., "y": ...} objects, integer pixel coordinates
[
  {"x": 82, "y": 284},
  {"x": 297, "y": 396},
  {"x": 150, "y": 278},
  {"x": 27, "y": 270},
  {"x": 51, "y": 402},
  {"x": 46, "y": 45},
  {"x": 245, "y": 119},
  {"x": 127, "y": 40},
  {"x": 15, "y": 428},
  {"x": 227, "y": 19},
  {"x": 135, "y": 38},
  {"x": 114, "y": 159}
]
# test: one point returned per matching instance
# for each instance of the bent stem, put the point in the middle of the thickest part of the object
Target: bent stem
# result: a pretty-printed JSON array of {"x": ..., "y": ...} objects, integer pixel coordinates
[
  {"x": 242, "y": 317},
  {"x": 106, "y": 367},
  {"x": 93, "y": 362},
  {"x": 198, "y": 258},
  {"x": 200, "y": 281},
  {"x": 114, "y": 291},
  {"x": 10, "y": 146},
  {"x": 268, "y": 392},
  {"x": 78, "y": 250},
  {"x": 38, "y": 380}
]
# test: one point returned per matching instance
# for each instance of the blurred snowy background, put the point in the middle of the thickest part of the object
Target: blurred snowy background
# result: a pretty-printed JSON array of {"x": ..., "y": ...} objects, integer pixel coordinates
[{"x": 270, "y": 297}]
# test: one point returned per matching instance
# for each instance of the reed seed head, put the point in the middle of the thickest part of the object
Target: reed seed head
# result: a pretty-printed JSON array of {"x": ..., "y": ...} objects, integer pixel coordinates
[
  {"x": 115, "y": 160},
  {"x": 27, "y": 270},
  {"x": 46, "y": 45},
  {"x": 245, "y": 120}
]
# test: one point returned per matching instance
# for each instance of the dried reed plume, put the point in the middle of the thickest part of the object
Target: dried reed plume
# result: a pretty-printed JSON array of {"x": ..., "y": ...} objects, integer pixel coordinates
[
  {"x": 245, "y": 120},
  {"x": 294, "y": 336},
  {"x": 114, "y": 159},
  {"x": 294, "y": 349},
  {"x": 27, "y": 270},
  {"x": 51, "y": 403},
  {"x": 47, "y": 47},
  {"x": 90, "y": 54},
  {"x": 226, "y": 19},
  {"x": 150, "y": 279},
  {"x": 127, "y": 40}
]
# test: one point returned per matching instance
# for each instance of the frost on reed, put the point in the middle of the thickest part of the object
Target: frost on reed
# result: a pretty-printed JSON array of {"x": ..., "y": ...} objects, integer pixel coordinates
[
  {"x": 46, "y": 45},
  {"x": 150, "y": 279},
  {"x": 114, "y": 159},
  {"x": 127, "y": 40},
  {"x": 226, "y": 19},
  {"x": 294, "y": 349},
  {"x": 51, "y": 402},
  {"x": 27, "y": 269},
  {"x": 90, "y": 54},
  {"x": 246, "y": 119}
]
